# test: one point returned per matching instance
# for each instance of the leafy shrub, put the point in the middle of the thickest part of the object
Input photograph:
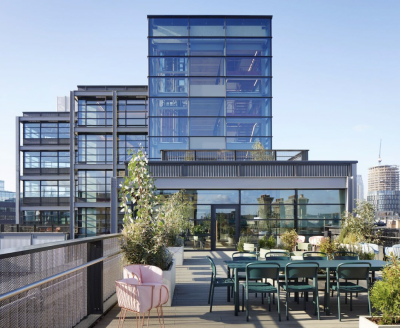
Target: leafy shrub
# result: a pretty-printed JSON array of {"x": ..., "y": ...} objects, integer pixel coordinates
[
  {"x": 385, "y": 294},
  {"x": 271, "y": 242},
  {"x": 262, "y": 242},
  {"x": 289, "y": 238}
]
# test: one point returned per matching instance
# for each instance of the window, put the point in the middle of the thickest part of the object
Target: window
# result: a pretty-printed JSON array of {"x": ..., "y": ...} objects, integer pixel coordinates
[
  {"x": 46, "y": 133},
  {"x": 94, "y": 186},
  {"x": 92, "y": 221},
  {"x": 95, "y": 112},
  {"x": 130, "y": 142},
  {"x": 95, "y": 149},
  {"x": 46, "y": 192},
  {"x": 132, "y": 112}
]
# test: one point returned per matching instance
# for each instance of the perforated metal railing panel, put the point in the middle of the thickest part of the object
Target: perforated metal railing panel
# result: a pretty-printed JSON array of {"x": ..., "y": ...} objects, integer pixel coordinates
[{"x": 62, "y": 302}]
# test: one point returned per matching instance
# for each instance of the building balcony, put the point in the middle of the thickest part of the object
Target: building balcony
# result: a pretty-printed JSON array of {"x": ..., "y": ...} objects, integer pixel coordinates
[{"x": 234, "y": 155}]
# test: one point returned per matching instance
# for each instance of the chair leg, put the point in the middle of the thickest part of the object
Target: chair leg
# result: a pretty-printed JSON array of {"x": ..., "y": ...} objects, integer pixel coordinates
[
  {"x": 242, "y": 298},
  {"x": 316, "y": 294},
  {"x": 209, "y": 292},
  {"x": 162, "y": 315},
  {"x": 369, "y": 304},
  {"x": 338, "y": 303},
  {"x": 212, "y": 298},
  {"x": 287, "y": 314},
  {"x": 279, "y": 307},
  {"x": 351, "y": 301},
  {"x": 269, "y": 302},
  {"x": 247, "y": 304},
  {"x": 262, "y": 298},
  {"x": 148, "y": 318},
  {"x": 122, "y": 315}
]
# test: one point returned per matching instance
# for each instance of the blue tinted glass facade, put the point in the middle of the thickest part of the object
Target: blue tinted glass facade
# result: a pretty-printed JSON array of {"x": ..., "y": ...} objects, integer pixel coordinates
[{"x": 210, "y": 83}]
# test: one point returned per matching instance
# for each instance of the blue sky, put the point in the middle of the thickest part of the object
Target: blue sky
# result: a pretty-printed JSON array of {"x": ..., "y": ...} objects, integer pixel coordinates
[{"x": 336, "y": 66}]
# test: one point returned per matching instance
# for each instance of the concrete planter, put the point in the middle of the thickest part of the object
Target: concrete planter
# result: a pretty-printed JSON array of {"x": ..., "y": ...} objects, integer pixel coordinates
[
  {"x": 263, "y": 251},
  {"x": 169, "y": 277},
  {"x": 231, "y": 241},
  {"x": 177, "y": 254},
  {"x": 365, "y": 323}
]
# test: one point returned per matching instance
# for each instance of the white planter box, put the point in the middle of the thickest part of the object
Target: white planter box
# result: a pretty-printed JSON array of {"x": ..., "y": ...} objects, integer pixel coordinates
[
  {"x": 263, "y": 251},
  {"x": 247, "y": 247},
  {"x": 177, "y": 254},
  {"x": 231, "y": 241},
  {"x": 169, "y": 280},
  {"x": 365, "y": 323}
]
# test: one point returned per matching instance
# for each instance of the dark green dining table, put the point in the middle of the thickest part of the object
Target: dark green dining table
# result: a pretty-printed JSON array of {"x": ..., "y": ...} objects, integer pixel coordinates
[{"x": 328, "y": 265}]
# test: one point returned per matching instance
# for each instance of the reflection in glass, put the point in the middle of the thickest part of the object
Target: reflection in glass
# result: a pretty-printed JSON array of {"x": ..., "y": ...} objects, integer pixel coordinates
[
  {"x": 207, "y": 106},
  {"x": 248, "y": 47},
  {"x": 168, "y": 47},
  {"x": 168, "y": 26},
  {"x": 207, "y": 66},
  {"x": 267, "y": 197},
  {"x": 321, "y": 196},
  {"x": 254, "y": 127},
  {"x": 207, "y": 47},
  {"x": 267, "y": 212},
  {"x": 320, "y": 212},
  {"x": 225, "y": 222},
  {"x": 168, "y": 86},
  {"x": 207, "y": 27},
  {"x": 247, "y": 142},
  {"x": 169, "y": 126},
  {"x": 207, "y": 143},
  {"x": 248, "y": 107},
  {"x": 207, "y": 87},
  {"x": 168, "y": 107},
  {"x": 168, "y": 66},
  {"x": 248, "y": 66},
  {"x": 248, "y": 27},
  {"x": 157, "y": 144},
  {"x": 215, "y": 196},
  {"x": 207, "y": 126},
  {"x": 248, "y": 87}
]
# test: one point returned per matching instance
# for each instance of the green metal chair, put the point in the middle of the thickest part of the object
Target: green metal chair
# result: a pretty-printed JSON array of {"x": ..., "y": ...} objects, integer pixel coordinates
[
  {"x": 302, "y": 270},
  {"x": 352, "y": 271},
  {"x": 344, "y": 255},
  {"x": 277, "y": 256},
  {"x": 258, "y": 271},
  {"x": 243, "y": 256},
  {"x": 315, "y": 256},
  {"x": 217, "y": 282}
]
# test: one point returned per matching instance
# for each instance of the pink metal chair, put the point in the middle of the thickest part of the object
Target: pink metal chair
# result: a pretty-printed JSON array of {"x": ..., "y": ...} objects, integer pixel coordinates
[
  {"x": 301, "y": 239},
  {"x": 140, "y": 291}
]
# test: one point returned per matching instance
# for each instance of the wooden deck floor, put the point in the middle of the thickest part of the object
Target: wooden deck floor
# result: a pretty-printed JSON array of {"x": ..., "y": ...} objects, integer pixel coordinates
[{"x": 190, "y": 306}]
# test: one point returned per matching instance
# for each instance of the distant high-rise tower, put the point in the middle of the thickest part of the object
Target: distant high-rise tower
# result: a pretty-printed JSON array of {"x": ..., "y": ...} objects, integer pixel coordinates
[
  {"x": 360, "y": 188},
  {"x": 383, "y": 188}
]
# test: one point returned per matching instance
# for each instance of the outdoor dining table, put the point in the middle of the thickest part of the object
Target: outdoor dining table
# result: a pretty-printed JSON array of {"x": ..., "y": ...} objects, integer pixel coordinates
[{"x": 328, "y": 265}]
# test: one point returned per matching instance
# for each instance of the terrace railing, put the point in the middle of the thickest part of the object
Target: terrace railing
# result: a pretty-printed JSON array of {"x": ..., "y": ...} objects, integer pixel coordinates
[
  {"x": 59, "y": 284},
  {"x": 234, "y": 155}
]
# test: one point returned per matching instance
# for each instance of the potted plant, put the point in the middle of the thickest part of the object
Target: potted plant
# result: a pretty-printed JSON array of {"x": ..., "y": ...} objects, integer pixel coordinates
[
  {"x": 231, "y": 236},
  {"x": 385, "y": 298},
  {"x": 289, "y": 238},
  {"x": 266, "y": 245},
  {"x": 144, "y": 236},
  {"x": 175, "y": 212}
]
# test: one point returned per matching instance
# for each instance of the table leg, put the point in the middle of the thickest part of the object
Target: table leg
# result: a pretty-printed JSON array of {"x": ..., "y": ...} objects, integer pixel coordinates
[
  {"x": 236, "y": 293},
  {"x": 228, "y": 275},
  {"x": 327, "y": 293}
]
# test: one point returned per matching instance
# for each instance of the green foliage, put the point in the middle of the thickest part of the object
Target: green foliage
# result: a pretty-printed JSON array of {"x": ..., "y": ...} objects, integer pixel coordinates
[
  {"x": 262, "y": 242},
  {"x": 358, "y": 225},
  {"x": 329, "y": 247},
  {"x": 261, "y": 154},
  {"x": 289, "y": 238},
  {"x": 198, "y": 230},
  {"x": 175, "y": 212},
  {"x": 145, "y": 235},
  {"x": 231, "y": 232},
  {"x": 385, "y": 294},
  {"x": 271, "y": 242}
]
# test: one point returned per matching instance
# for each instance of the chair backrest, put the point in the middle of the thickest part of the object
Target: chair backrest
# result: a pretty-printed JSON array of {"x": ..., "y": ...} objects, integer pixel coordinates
[
  {"x": 315, "y": 256},
  {"x": 268, "y": 270},
  {"x": 302, "y": 269},
  {"x": 343, "y": 255},
  {"x": 276, "y": 256},
  {"x": 143, "y": 273},
  {"x": 301, "y": 239},
  {"x": 353, "y": 271},
  {"x": 213, "y": 267},
  {"x": 243, "y": 256}
]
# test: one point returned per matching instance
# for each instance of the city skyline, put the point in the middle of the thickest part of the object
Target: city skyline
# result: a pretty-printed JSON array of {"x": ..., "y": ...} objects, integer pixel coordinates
[{"x": 345, "y": 67}]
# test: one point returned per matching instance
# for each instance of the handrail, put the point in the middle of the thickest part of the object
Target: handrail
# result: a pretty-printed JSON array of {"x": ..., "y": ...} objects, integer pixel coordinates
[{"x": 54, "y": 277}]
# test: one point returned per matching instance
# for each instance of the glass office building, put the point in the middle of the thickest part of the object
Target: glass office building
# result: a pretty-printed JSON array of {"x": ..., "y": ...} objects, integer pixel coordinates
[{"x": 209, "y": 83}]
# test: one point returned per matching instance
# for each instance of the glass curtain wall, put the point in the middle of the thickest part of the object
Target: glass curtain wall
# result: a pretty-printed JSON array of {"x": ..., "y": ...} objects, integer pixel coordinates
[{"x": 209, "y": 83}]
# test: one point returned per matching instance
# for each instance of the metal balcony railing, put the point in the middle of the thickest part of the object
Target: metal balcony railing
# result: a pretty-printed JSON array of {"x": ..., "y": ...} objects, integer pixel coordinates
[
  {"x": 234, "y": 155},
  {"x": 59, "y": 284}
]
